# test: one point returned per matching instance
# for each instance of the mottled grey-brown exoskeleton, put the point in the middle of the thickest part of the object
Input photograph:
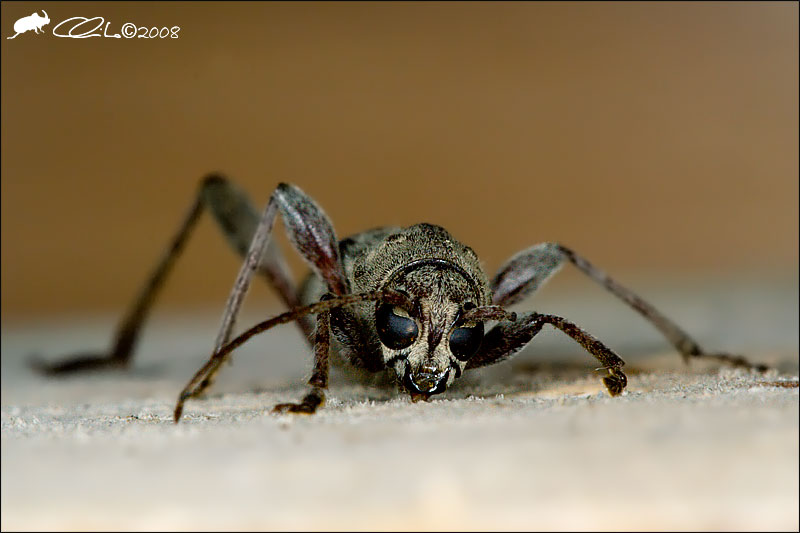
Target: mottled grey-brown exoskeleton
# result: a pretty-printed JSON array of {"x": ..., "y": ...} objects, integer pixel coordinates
[{"x": 411, "y": 301}]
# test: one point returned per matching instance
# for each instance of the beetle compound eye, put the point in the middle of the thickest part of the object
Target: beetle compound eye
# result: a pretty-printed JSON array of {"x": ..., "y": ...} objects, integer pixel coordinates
[
  {"x": 464, "y": 341},
  {"x": 396, "y": 328}
]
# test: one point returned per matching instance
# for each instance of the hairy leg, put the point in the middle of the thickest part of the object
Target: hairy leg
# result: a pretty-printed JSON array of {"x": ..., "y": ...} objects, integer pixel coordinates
[
  {"x": 311, "y": 234},
  {"x": 237, "y": 219},
  {"x": 508, "y": 337},
  {"x": 319, "y": 378},
  {"x": 526, "y": 271}
]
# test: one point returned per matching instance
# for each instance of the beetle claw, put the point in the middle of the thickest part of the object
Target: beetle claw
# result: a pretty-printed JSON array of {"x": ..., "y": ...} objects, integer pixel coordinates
[{"x": 615, "y": 382}]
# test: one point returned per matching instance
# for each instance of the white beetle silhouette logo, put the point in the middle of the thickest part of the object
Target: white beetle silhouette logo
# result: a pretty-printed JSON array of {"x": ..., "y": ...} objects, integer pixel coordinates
[{"x": 31, "y": 22}]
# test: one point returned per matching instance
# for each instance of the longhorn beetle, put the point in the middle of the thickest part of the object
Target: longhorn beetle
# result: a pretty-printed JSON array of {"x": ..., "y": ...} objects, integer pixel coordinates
[{"x": 412, "y": 301}]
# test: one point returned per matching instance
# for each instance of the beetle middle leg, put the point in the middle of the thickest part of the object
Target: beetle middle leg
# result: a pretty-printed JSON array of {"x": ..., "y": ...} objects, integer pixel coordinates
[
  {"x": 525, "y": 272},
  {"x": 312, "y": 235}
]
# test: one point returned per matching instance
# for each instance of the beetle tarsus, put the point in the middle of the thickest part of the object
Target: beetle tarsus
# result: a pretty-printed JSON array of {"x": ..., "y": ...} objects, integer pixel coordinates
[
  {"x": 307, "y": 406},
  {"x": 85, "y": 362},
  {"x": 616, "y": 381}
]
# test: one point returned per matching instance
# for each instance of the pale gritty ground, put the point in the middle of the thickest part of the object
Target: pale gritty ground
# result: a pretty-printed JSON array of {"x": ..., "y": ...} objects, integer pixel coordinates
[{"x": 535, "y": 444}]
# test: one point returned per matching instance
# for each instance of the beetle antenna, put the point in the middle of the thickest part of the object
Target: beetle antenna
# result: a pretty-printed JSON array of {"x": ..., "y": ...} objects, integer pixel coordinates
[
  {"x": 488, "y": 312},
  {"x": 387, "y": 296},
  {"x": 201, "y": 378}
]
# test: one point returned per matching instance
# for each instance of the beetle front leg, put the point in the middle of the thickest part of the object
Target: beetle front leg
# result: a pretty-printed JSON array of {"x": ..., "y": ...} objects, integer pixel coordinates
[
  {"x": 507, "y": 338},
  {"x": 319, "y": 378},
  {"x": 311, "y": 234}
]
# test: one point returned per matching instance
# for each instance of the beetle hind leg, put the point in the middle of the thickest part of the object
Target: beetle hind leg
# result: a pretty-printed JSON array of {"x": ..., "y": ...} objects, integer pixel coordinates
[
  {"x": 529, "y": 269},
  {"x": 237, "y": 219}
]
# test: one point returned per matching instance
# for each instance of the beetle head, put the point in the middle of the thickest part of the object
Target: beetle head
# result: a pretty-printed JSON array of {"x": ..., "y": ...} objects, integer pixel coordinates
[{"x": 429, "y": 339}]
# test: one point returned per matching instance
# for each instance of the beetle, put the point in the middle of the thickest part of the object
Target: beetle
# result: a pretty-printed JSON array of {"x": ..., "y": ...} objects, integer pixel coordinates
[{"x": 413, "y": 302}]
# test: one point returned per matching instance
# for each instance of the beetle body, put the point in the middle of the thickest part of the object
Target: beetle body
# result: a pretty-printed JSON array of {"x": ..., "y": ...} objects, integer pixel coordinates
[
  {"x": 410, "y": 302},
  {"x": 440, "y": 275}
]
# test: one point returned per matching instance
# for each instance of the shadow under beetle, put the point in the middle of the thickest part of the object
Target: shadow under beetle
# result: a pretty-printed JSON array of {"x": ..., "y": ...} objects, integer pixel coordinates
[{"x": 412, "y": 301}]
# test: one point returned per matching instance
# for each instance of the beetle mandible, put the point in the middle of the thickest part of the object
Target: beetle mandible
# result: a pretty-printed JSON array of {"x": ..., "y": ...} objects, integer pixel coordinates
[{"x": 409, "y": 301}]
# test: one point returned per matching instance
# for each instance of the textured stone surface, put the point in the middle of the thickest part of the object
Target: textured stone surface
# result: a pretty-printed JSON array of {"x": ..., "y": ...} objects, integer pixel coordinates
[{"x": 536, "y": 444}]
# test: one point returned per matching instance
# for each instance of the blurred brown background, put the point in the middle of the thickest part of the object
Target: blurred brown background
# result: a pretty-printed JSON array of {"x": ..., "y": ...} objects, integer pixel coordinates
[{"x": 658, "y": 139}]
